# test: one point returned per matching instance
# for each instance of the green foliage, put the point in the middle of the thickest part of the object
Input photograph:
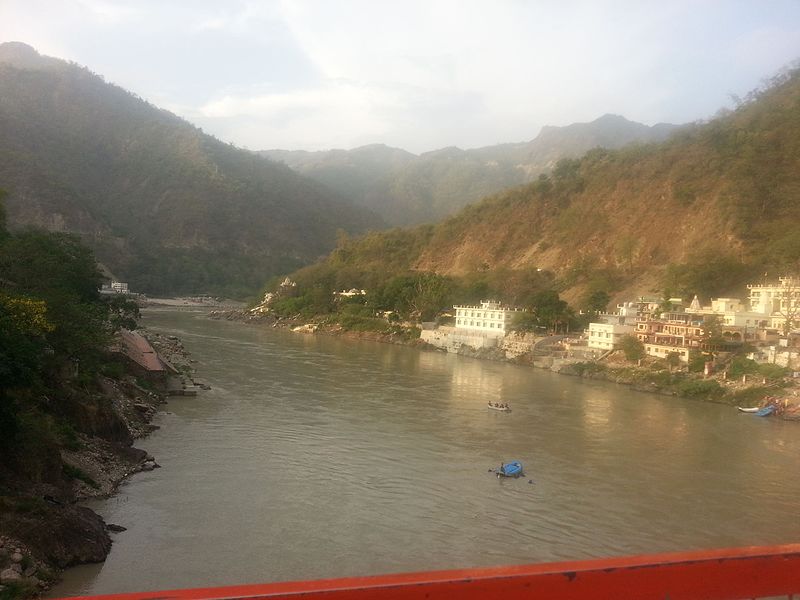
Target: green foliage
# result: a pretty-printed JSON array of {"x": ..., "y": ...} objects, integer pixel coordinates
[
  {"x": 584, "y": 369},
  {"x": 741, "y": 366},
  {"x": 547, "y": 311},
  {"x": 750, "y": 395},
  {"x": 54, "y": 332},
  {"x": 697, "y": 361},
  {"x": 596, "y": 301},
  {"x": 772, "y": 372},
  {"x": 123, "y": 313},
  {"x": 673, "y": 359},
  {"x": 704, "y": 389},
  {"x": 17, "y": 590},
  {"x": 632, "y": 347},
  {"x": 78, "y": 473},
  {"x": 707, "y": 274}
]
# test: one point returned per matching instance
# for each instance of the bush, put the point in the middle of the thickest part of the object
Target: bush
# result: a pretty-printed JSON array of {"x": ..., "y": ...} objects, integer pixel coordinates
[
  {"x": 772, "y": 372},
  {"x": 632, "y": 347},
  {"x": 588, "y": 368},
  {"x": 697, "y": 361},
  {"x": 80, "y": 474},
  {"x": 750, "y": 395},
  {"x": 741, "y": 366},
  {"x": 704, "y": 389},
  {"x": 358, "y": 323}
]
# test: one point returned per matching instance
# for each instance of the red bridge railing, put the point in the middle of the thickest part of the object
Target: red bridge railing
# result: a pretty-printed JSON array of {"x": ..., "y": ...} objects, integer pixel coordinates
[{"x": 753, "y": 572}]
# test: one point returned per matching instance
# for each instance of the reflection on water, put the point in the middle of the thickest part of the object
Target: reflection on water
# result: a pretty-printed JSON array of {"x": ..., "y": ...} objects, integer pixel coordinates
[{"x": 318, "y": 457}]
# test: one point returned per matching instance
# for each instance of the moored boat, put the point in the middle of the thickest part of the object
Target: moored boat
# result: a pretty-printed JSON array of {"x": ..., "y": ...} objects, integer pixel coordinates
[
  {"x": 764, "y": 412},
  {"x": 748, "y": 410}
]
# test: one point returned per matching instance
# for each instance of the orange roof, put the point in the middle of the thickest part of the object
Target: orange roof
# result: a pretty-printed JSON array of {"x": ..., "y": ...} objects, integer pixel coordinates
[{"x": 139, "y": 350}]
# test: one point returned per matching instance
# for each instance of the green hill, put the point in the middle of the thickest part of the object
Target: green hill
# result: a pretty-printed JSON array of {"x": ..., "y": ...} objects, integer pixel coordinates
[
  {"x": 712, "y": 208},
  {"x": 163, "y": 205}
]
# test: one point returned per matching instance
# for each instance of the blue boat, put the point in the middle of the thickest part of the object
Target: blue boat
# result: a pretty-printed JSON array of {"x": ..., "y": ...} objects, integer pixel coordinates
[
  {"x": 764, "y": 412},
  {"x": 510, "y": 469}
]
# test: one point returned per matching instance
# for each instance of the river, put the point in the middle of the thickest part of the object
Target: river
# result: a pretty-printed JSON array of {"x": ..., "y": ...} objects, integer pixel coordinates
[{"x": 315, "y": 457}]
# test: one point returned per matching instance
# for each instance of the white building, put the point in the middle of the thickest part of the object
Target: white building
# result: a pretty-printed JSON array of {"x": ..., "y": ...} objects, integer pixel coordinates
[
  {"x": 731, "y": 313},
  {"x": 609, "y": 329},
  {"x": 490, "y": 318},
  {"x": 779, "y": 302},
  {"x": 119, "y": 287}
]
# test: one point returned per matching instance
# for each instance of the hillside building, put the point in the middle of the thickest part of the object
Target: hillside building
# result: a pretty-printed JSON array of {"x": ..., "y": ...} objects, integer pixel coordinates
[
  {"x": 478, "y": 327},
  {"x": 607, "y": 329},
  {"x": 491, "y": 318},
  {"x": 779, "y": 303}
]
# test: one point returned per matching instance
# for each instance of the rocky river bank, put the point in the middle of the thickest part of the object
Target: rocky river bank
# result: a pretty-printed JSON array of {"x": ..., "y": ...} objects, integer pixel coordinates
[{"x": 43, "y": 527}]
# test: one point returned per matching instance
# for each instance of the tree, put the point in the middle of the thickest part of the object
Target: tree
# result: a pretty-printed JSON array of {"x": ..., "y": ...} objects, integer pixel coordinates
[
  {"x": 597, "y": 301},
  {"x": 673, "y": 360},
  {"x": 545, "y": 310},
  {"x": 429, "y": 296},
  {"x": 789, "y": 306},
  {"x": 122, "y": 313},
  {"x": 632, "y": 347},
  {"x": 626, "y": 249}
]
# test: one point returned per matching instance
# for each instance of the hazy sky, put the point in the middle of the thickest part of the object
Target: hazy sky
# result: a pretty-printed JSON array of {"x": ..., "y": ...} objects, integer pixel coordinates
[{"x": 418, "y": 74}]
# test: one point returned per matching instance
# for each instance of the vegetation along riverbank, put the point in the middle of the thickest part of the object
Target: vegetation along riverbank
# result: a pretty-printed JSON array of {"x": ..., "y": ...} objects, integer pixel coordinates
[
  {"x": 714, "y": 369},
  {"x": 73, "y": 401}
]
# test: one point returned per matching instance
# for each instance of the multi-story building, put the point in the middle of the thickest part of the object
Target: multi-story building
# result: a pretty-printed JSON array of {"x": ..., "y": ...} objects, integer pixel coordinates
[
  {"x": 607, "y": 329},
  {"x": 779, "y": 303},
  {"x": 490, "y": 318},
  {"x": 673, "y": 332},
  {"x": 478, "y": 327}
]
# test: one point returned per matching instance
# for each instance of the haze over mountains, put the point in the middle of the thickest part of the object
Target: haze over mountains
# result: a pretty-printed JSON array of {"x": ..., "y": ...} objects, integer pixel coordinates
[
  {"x": 408, "y": 189},
  {"x": 164, "y": 206}
]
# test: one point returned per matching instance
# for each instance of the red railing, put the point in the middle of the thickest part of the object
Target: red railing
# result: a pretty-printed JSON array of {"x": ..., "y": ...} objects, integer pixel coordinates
[{"x": 754, "y": 572}]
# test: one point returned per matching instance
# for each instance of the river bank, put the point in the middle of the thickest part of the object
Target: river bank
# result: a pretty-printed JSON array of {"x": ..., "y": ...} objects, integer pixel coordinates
[
  {"x": 648, "y": 375},
  {"x": 43, "y": 527}
]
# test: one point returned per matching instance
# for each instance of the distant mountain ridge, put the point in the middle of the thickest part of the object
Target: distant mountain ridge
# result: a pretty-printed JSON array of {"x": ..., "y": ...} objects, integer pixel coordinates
[
  {"x": 408, "y": 189},
  {"x": 163, "y": 205}
]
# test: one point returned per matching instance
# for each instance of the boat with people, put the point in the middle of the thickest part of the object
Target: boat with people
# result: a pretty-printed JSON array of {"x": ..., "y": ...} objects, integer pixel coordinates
[
  {"x": 510, "y": 469},
  {"x": 499, "y": 406}
]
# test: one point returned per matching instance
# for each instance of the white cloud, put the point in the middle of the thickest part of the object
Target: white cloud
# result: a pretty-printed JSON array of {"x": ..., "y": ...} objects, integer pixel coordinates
[{"x": 420, "y": 74}]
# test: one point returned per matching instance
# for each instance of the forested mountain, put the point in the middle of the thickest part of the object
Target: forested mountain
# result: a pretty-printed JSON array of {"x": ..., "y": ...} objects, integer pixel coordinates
[
  {"x": 163, "y": 205},
  {"x": 714, "y": 207},
  {"x": 407, "y": 189}
]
